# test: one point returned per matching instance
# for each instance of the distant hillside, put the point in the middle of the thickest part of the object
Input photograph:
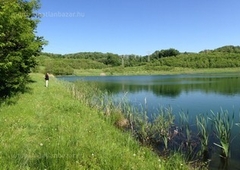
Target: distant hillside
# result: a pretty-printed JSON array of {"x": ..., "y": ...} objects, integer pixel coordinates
[
  {"x": 228, "y": 49},
  {"x": 222, "y": 57},
  {"x": 170, "y": 51}
]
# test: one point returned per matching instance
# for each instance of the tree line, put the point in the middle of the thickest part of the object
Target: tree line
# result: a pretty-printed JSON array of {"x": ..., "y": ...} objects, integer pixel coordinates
[{"x": 222, "y": 57}]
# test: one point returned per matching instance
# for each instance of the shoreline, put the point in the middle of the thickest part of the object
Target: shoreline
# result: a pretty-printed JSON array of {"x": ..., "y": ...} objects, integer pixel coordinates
[{"x": 132, "y": 71}]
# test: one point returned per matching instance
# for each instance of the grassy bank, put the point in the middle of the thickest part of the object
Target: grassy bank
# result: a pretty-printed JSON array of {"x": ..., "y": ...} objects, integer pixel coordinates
[
  {"x": 47, "y": 128},
  {"x": 141, "y": 70}
]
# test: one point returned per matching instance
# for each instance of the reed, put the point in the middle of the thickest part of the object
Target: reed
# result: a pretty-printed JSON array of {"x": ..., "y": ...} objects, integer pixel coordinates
[
  {"x": 188, "y": 144},
  {"x": 162, "y": 124},
  {"x": 150, "y": 130},
  {"x": 142, "y": 127},
  {"x": 238, "y": 124},
  {"x": 223, "y": 123},
  {"x": 202, "y": 125},
  {"x": 184, "y": 119}
]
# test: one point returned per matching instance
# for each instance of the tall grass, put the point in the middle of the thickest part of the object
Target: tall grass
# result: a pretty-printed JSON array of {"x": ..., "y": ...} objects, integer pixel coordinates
[
  {"x": 188, "y": 144},
  {"x": 203, "y": 133},
  {"x": 158, "y": 129},
  {"x": 202, "y": 124},
  {"x": 238, "y": 124},
  {"x": 150, "y": 131},
  {"x": 162, "y": 125},
  {"x": 49, "y": 129},
  {"x": 223, "y": 124}
]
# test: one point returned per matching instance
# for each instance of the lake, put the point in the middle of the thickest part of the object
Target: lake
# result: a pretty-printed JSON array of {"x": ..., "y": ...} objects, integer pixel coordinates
[{"x": 192, "y": 93}]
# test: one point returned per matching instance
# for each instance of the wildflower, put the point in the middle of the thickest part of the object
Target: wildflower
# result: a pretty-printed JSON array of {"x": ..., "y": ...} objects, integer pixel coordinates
[{"x": 41, "y": 144}]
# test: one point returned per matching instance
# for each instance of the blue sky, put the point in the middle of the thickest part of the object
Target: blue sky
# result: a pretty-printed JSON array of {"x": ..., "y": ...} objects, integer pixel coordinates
[{"x": 138, "y": 26}]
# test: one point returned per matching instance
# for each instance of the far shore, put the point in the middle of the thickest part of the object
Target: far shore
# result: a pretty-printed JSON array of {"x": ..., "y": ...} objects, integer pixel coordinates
[{"x": 136, "y": 71}]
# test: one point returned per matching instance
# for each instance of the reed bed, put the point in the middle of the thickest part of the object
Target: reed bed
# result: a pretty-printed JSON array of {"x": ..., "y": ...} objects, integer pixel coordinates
[{"x": 159, "y": 130}]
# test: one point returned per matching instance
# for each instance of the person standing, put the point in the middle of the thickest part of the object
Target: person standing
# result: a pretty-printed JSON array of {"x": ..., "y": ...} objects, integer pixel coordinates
[{"x": 46, "y": 79}]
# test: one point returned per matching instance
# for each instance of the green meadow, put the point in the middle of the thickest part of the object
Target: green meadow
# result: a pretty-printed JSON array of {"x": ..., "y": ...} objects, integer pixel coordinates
[{"x": 47, "y": 128}]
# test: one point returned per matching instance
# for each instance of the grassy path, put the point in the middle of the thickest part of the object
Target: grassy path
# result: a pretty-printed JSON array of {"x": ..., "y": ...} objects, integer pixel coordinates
[{"x": 48, "y": 129}]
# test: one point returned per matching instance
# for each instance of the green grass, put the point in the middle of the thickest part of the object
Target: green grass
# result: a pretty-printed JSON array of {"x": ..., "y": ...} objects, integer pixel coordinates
[
  {"x": 48, "y": 129},
  {"x": 141, "y": 70}
]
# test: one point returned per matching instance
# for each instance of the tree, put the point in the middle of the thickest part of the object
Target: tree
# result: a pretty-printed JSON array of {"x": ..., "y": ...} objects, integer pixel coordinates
[
  {"x": 19, "y": 46},
  {"x": 228, "y": 49},
  {"x": 113, "y": 60},
  {"x": 165, "y": 53}
]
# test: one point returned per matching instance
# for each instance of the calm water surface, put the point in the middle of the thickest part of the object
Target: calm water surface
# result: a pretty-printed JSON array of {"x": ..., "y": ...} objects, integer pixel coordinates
[{"x": 192, "y": 93}]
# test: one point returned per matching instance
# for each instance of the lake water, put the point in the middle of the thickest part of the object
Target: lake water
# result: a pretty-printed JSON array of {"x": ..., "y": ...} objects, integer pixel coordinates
[{"x": 192, "y": 93}]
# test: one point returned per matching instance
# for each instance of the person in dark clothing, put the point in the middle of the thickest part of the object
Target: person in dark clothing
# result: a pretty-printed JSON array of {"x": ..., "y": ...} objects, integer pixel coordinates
[{"x": 46, "y": 79}]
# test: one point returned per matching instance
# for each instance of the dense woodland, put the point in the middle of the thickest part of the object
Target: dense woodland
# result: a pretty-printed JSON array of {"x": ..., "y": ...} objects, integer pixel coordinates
[{"x": 223, "y": 57}]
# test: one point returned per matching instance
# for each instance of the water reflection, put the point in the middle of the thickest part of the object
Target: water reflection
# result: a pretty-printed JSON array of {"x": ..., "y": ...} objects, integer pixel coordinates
[
  {"x": 195, "y": 94},
  {"x": 168, "y": 85}
]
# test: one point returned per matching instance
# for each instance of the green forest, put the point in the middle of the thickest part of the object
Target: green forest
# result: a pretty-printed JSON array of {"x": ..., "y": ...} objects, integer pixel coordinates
[{"x": 160, "y": 60}]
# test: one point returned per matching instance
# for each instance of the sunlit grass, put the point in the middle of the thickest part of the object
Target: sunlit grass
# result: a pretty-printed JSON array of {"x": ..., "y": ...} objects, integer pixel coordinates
[{"x": 49, "y": 129}]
